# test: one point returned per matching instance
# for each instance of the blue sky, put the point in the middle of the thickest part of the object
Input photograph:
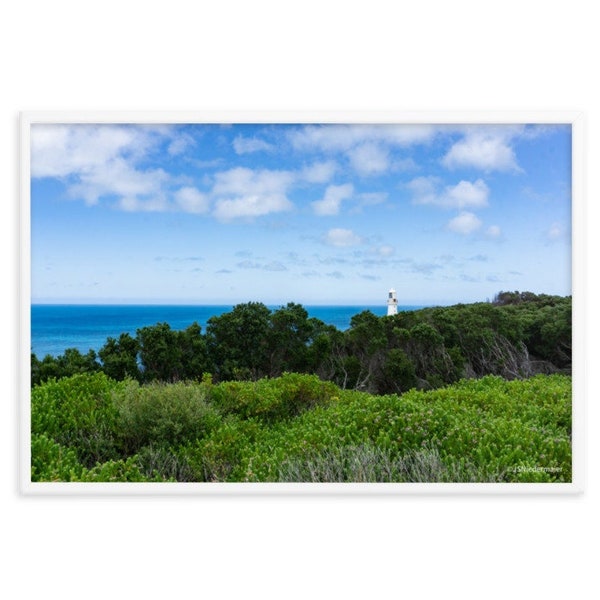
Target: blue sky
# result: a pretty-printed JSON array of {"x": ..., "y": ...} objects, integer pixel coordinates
[{"x": 317, "y": 214}]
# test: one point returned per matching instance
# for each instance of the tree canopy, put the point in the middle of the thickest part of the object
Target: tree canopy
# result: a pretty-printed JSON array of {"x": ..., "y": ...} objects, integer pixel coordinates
[{"x": 517, "y": 335}]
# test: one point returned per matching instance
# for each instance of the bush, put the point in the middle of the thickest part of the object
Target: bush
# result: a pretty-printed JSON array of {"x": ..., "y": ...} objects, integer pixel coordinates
[
  {"x": 77, "y": 412},
  {"x": 52, "y": 462},
  {"x": 298, "y": 428},
  {"x": 272, "y": 399},
  {"x": 162, "y": 415},
  {"x": 483, "y": 430},
  {"x": 218, "y": 457},
  {"x": 118, "y": 471}
]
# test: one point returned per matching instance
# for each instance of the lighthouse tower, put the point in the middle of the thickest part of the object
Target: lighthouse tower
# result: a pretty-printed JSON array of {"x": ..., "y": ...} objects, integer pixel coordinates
[{"x": 392, "y": 303}]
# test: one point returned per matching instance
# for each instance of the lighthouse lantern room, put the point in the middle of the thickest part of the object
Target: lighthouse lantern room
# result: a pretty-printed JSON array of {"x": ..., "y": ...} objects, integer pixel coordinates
[{"x": 392, "y": 303}]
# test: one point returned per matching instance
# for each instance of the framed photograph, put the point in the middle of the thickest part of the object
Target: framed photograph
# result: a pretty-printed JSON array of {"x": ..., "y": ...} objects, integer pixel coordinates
[{"x": 323, "y": 303}]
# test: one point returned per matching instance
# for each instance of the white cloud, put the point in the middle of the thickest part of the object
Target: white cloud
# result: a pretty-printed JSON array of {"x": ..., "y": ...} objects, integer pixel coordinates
[
  {"x": 385, "y": 251},
  {"x": 250, "y": 206},
  {"x": 243, "y": 145},
  {"x": 488, "y": 149},
  {"x": 464, "y": 194},
  {"x": 103, "y": 161},
  {"x": 369, "y": 159},
  {"x": 334, "y": 196},
  {"x": 180, "y": 144},
  {"x": 244, "y": 193},
  {"x": 320, "y": 172},
  {"x": 465, "y": 223},
  {"x": 65, "y": 150},
  {"x": 118, "y": 177},
  {"x": 190, "y": 200},
  {"x": 342, "y": 238},
  {"x": 367, "y": 147},
  {"x": 109, "y": 162},
  {"x": 315, "y": 138},
  {"x": 467, "y": 195},
  {"x": 242, "y": 181},
  {"x": 493, "y": 231}
]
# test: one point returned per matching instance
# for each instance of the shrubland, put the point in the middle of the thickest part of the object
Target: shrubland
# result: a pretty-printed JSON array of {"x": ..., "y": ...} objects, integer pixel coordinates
[
  {"x": 299, "y": 428},
  {"x": 466, "y": 393}
]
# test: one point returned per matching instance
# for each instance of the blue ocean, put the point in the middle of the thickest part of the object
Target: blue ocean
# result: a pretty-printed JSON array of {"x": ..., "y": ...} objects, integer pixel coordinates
[{"x": 56, "y": 327}]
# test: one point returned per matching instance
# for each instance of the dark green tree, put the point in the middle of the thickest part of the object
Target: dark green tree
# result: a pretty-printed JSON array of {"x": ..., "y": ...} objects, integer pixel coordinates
[
  {"x": 238, "y": 342},
  {"x": 194, "y": 353},
  {"x": 397, "y": 373},
  {"x": 289, "y": 336},
  {"x": 42, "y": 370},
  {"x": 160, "y": 353},
  {"x": 70, "y": 363},
  {"x": 120, "y": 357},
  {"x": 359, "y": 353}
]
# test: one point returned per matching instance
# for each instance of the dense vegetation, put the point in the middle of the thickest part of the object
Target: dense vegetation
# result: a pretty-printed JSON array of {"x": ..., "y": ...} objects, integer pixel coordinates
[
  {"x": 298, "y": 428},
  {"x": 517, "y": 335},
  {"x": 467, "y": 393}
]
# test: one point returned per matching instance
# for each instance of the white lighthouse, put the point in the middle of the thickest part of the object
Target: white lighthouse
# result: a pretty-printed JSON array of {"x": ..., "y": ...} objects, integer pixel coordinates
[{"x": 392, "y": 303}]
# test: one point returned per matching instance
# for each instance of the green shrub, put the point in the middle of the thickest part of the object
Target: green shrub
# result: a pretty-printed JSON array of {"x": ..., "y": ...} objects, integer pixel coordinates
[
  {"x": 162, "y": 415},
  {"x": 52, "y": 462},
  {"x": 218, "y": 457},
  {"x": 118, "y": 471},
  {"x": 272, "y": 399},
  {"x": 483, "y": 430},
  {"x": 77, "y": 412},
  {"x": 299, "y": 428}
]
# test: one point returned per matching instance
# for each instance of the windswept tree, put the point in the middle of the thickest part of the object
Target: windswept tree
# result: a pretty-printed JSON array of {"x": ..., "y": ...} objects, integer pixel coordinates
[
  {"x": 160, "y": 354},
  {"x": 120, "y": 357},
  {"x": 170, "y": 355},
  {"x": 359, "y": 352},
  {"x": 71, "y": 362},
  {"x": 289, "y": 335},
  {"x": 238, "y": 342},
  {"x": 195, "y": 360},
  {"x": 516, "y": 336}
]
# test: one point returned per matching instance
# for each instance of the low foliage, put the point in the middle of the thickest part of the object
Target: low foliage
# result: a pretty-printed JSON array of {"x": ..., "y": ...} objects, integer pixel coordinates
[
  {"x": 163, "y": 415},
  {"x": 272, "y": 399},
  {"x": 299, "y": 428},
  {"x": 483, "y": 430},
  {"x": 78, "y": 412},
  {"x": 367, "y": 463}
]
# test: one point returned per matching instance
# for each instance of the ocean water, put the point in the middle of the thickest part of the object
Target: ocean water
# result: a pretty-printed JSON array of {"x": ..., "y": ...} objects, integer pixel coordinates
[{"x": 56, "y": 327}]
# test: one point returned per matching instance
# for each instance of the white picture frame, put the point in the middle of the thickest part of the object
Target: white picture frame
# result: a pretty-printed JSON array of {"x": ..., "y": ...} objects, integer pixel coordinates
[{"x": 574, "y": 119}]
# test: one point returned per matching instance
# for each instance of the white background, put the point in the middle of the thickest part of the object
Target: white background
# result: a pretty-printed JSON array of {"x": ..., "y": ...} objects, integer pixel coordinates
[{"x": 376, "y": 55}]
